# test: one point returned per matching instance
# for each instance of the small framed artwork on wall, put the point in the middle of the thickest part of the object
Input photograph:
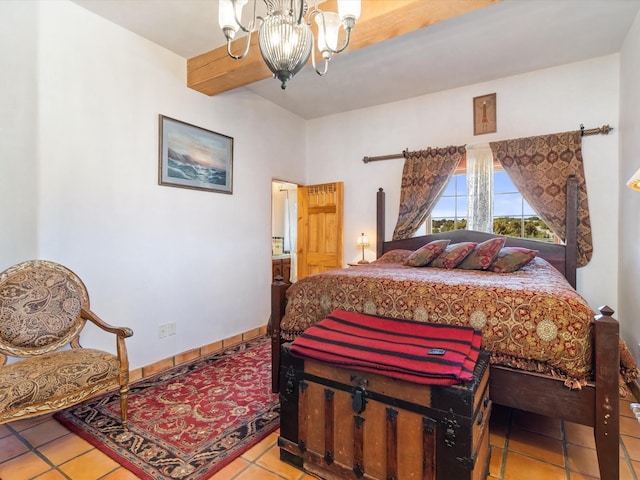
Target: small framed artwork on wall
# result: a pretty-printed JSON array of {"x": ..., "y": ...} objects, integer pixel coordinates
[
  {"x": 484, "y": 114},
  {"x": 192, "y": 157}
]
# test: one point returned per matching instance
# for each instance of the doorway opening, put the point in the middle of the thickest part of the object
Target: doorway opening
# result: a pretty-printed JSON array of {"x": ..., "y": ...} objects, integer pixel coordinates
[{"x": 284, "y": 226}]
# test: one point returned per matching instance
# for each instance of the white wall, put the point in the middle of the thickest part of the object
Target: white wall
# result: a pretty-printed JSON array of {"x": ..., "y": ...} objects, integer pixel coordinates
[
  {"x": 18, "y": 145},
  {"x": 546, "y": 101},
  {"x": 629, "y": 264},
  {"x": 148, "y": 254}
]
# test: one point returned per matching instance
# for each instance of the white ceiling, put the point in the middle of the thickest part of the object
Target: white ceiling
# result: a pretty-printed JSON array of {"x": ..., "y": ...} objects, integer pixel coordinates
[{"x": 509, "y": 38}]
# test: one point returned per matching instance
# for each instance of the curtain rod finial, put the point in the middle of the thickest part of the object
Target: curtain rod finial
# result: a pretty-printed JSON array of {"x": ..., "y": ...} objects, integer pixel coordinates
[{"x": 604, "y": 130}]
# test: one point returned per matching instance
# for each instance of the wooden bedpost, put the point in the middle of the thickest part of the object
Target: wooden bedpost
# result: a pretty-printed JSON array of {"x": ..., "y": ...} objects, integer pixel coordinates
[
  {"x": 278, "y": 304},
  {"x": 607, "y": 401},
  {"x": 379, "y": 222}
]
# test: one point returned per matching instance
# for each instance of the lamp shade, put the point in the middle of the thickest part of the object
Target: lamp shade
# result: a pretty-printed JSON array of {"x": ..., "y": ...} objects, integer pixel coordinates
[
  {"x": 349, "y": 8},
  {"x": 363, "y": 240},
  {"x": 227, "y": 14},
  {"x": 634, "y": 181},
  {"x": 285, "y": 45},
  {"x": 328, "y": 29}
]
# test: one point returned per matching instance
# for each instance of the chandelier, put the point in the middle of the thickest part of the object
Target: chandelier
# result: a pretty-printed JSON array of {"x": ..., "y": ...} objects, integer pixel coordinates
[{"x": 284, "y": 34}]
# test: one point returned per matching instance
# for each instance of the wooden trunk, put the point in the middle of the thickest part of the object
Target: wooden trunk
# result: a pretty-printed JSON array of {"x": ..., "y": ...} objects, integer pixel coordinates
[{"x": 338, "y": 423}]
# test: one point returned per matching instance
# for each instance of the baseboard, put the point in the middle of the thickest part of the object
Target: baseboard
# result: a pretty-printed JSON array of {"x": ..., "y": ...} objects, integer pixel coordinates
[{"x": 195, "y": 353}]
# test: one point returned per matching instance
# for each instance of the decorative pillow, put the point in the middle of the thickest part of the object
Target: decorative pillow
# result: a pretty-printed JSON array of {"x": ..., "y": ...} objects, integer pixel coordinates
[
  {"x": 426, "y": 253},
  {"x": 510, "y": 259},
  {"x": 453, "y": 255},
  {"x": 394, "y": 256},
  {"x": 483, "y": 255}
]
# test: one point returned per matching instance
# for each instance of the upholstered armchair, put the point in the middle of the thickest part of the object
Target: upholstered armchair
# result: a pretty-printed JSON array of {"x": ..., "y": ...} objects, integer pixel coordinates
[{"x": 43, "y": 308}]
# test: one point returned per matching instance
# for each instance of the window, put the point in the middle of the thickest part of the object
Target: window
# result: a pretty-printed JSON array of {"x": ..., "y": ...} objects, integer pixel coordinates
[
  {"x": 512, "y": 215},
  {"x": 450, "y": 213}
]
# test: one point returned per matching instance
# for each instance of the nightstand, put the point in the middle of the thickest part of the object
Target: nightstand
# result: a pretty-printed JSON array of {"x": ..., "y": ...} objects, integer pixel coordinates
[{"x": 281, "y": 265}]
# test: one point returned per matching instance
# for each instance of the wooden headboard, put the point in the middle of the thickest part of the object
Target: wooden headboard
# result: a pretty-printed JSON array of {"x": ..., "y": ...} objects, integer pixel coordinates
[{"x": 562, "y": 257}]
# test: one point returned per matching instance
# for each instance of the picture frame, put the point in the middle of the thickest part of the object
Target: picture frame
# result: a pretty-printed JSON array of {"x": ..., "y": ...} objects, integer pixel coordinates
[
  {"x": 484, "y": 114},
  {"x": 193, "y": 157}
]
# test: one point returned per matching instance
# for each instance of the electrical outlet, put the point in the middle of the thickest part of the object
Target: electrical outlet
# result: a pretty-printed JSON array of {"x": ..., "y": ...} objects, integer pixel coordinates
[
  {"x": 166, "y": 329},
  {"x": 163, "y": 330},
  {"x": 171, "y": 328}
]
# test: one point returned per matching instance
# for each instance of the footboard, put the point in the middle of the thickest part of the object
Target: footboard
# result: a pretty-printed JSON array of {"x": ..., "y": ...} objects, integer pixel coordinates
[
  {"x": 278, "y": 304},
  {"x": 595, "y": 405}
]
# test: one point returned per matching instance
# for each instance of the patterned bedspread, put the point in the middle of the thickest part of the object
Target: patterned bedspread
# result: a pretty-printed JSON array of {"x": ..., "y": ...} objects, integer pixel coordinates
[{"x": 530, "y": 319}]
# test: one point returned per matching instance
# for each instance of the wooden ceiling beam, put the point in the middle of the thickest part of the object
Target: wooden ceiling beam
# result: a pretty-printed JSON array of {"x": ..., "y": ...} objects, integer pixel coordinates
[{"x": 215, "y": 72}]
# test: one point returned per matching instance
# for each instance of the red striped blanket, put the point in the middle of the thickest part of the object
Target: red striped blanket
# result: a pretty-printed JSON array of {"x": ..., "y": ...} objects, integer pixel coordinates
[{"x": 419, "y": 352}]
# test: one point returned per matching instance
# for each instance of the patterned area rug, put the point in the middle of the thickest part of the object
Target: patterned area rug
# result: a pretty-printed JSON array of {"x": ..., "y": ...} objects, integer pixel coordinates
[{"x": 187, "y": 422}]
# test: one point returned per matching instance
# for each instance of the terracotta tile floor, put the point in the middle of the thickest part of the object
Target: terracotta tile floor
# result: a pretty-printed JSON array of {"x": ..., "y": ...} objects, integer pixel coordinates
[{"x": 524, "y": 446}]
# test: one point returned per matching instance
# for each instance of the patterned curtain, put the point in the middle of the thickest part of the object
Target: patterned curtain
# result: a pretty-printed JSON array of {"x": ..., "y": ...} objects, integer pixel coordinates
[
  {"x": 425, "y": 175},
  {"x": 539, "y": 167},
  {"x": 480, "y": 187}
]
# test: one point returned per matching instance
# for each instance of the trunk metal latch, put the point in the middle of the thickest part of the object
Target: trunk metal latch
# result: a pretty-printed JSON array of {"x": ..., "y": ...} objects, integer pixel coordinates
[{"x": 359, "y": 402}]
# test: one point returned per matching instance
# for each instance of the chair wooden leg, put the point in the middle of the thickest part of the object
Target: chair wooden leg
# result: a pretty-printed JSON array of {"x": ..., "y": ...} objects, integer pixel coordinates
[{"x": 124, "y": 404}]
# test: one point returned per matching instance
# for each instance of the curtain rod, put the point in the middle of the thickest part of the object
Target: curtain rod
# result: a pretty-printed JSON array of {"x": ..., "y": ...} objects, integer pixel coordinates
[{"x": 603, "y": 130}]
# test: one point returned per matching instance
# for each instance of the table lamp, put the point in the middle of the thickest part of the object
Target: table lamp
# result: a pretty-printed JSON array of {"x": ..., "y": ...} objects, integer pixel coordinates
[{"x": 363, "y": 241}]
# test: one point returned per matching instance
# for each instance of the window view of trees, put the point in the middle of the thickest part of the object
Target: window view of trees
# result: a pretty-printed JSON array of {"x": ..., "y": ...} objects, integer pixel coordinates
[
  {"x": 531, "y": 227},
  {"x": 512, "y": 215},
  {"x": 446, "y": 225}
]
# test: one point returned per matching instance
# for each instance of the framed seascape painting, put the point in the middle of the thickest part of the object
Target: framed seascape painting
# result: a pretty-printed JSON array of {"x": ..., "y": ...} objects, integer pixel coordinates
[{"x": 192, "y": 157}]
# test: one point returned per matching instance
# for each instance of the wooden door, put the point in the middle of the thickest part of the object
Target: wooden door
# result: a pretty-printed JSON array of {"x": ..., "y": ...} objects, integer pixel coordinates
[{"x": 320, "y": 228}]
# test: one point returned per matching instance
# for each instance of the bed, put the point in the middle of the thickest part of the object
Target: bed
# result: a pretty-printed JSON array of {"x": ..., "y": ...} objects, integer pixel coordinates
[{"x": 581, "y": 387}]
